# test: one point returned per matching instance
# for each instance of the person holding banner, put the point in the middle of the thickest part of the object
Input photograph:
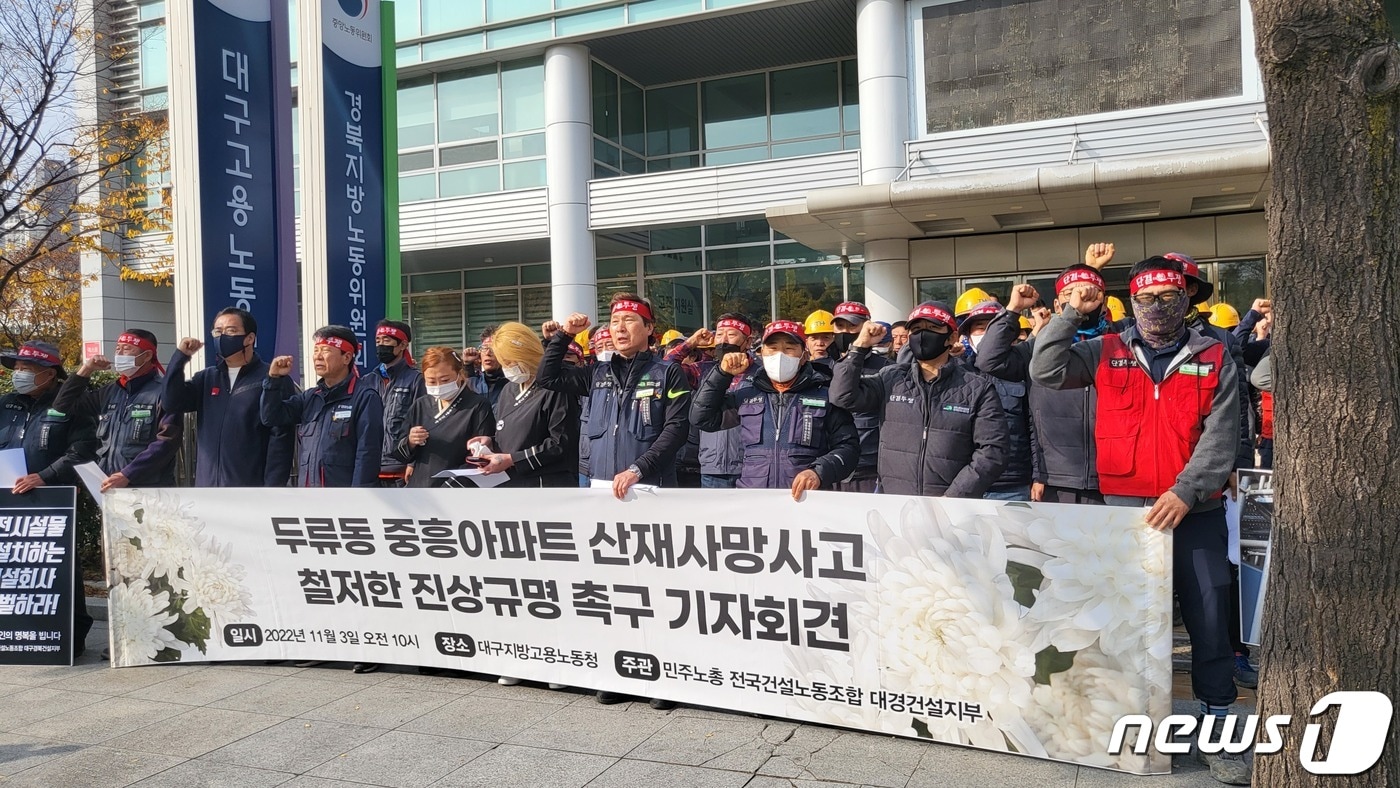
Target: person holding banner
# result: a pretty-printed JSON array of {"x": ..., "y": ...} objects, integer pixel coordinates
[
  {"x": 53, "y": 442},
  {"x": 440, "y": 423},
  {"x": 139, "y": 437},
  {"x": 1167, "y": 431},
  {"x": 340, "y": 421},
  {"x": 721, "y": 451},
  {"x": 536, "y": 432},
  {"x": 792, "y": 435},
  {"x": 233, "y": 447},
  {"x": 400, "y": 385},
  {"x": 942, "y": 427}
]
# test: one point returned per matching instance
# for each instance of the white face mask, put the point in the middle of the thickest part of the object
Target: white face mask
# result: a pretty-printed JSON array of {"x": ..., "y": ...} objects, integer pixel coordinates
[
  {"x": 23, "y": 381},
  {"x": 124, "y": 364},
  {"x": 516, "y": 373},
  {"x": 975, "y": 340},
  {"x": 604, "y": 356},
  {"x": 445, "y": 391},
  {"x": 781, "y": 367}
]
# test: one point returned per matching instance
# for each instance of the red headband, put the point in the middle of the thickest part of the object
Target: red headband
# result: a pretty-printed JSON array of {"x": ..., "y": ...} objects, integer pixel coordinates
[
  {"x": 337, "y": 343},
  {"x": 737, "y": 325},
  {"x": 28, "y": 351},
  {"x": 390, "y": 331},
  {"x": 849, "y": 308},
  {"x": 636, "y": 307},
  {"x": 1150, "y": 278},
  {"x": 930, "y": 312},
  {"x": 575, "y": 349},
  {"x": 1077, "y": 275},
  {"x": 791, "y": 327},
  {"x": 145, "y": 345}
]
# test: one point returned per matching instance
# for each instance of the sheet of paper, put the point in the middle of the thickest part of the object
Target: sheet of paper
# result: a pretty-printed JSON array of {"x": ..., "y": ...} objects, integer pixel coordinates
[
  {"x": 477, "y": 476},
  {"x": 92, "y": 477},
  {"x": 606, "y": 484},
  {"x": 11, "y": 467}
]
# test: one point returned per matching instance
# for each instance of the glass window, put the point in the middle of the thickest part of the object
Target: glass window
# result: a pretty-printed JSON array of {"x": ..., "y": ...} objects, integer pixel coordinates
[
  {"x": 736, "y": 156},
  {"x": 674, "y": 238},
  {"x": 1239, "y": 282},
  {"x": 605, "y": 112},
  {"x": 855, "y": 287},
  {"x": 418, "y": 187},
  {"x": 155, "y": 101},
  {"x": 943, "y": 290},
  {"x": 804, "y": 290},
  {"x": 736, "y": 111},
  {"x": 522, "y": 93},
  {"x": 416, "y": 118},
  {"x": 805, "y": 101},
  {"x": 806, "y": 147},
  {"x": 467, "y": 102},
  {"x": 1001, "y": 288},
  {"x": 671, "y": 263},
  {"x": 490, "y": 308},
  {"x": 534, "y": 274},
  {"x": 737, "y": 257},
  {"x": 673, "y": 163},
  {"x": 481, "y": 278},
  {"x": 155, "y": 71},
  {"x": 850, "y": 96},
  {"x": 633, "y": 165},
  {"x": 650, "y": 10},
  {"x": 673, "y": 124},
  {"x": 406, "y": 19},
  {"x": 523, "y": 174},
  {"x": 443, "y": 16},
  {"x": 607, "y": 154},
  {"x": 796, "y": 254},
  {"x": 468, "y": 154},
  {"x": 519, "y": 34},
  {"x": 152, "y": 10},
  {"x": 749, "y": 293},
  {"x": 606, "y": 291},
  {"x": 589, "y": 21},
  {"x": 422, "y": 160},
  {"x": 403, "y": 56},
  {"x": 678, "y": 302},
  {"x": 522, "y": 147},
  {"x": 617, "y": 268},
  {"x": 474, "y": 180},
  {"x": 536, "y": 306},
  {"x": 435, "y": 283},
  {"x": 436, "y": 319},
  {"x": 632, "y": 113},
  {"x": 452, "y": 47},
  {"x": 744, "y": 231},
  {"x": 501, "y": 10}
]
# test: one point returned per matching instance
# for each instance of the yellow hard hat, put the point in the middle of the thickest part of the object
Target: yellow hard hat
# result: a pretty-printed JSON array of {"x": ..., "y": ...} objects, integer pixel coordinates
[
  {"x": 969, "y": 299},
  {"x": 819, "y": 322},
  {"x": 1224, "y": 316},
  {"x": 671, "y": 336},
  {"x": 1203, "y": 308},
  {"x": 1026, "y": 323},
  {"x": 582, "y": 339},
  {"x": 1116, "y": 311}
]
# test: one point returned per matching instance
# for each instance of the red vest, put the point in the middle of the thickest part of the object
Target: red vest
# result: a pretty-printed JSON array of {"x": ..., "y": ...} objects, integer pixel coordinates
[
  {"x": 1266, "y": 412},
  {"x": 1145, "y": 432}
]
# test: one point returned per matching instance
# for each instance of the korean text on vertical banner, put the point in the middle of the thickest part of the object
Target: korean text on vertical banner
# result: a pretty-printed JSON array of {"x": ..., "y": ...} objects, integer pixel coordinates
[{"x": 38, "y": 538}]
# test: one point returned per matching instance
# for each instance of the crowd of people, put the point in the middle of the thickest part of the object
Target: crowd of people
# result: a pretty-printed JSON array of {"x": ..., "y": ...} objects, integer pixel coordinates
[{"x": 1062, "y": 397}]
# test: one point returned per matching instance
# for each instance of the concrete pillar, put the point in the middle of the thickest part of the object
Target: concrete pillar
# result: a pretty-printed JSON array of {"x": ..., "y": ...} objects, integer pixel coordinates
[
  {"x": 889, "y": 290},
  {"x": 568, "y": 139},
  {"x": 882, "y": 62}
]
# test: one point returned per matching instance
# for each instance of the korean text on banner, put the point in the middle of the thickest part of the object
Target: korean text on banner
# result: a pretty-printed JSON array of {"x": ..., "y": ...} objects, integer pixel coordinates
[
  {"x": 38, "y": 536},
  {"x": 1007, "y": 626}
]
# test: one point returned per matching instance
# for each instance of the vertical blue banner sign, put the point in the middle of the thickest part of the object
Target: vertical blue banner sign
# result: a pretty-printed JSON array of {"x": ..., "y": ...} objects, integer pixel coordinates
[
  {"x": 352, "y": 96},
  {"x": 243, "y": 218}
]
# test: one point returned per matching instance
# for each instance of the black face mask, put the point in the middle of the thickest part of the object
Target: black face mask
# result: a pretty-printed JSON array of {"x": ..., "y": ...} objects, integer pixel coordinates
[
  {"x": 840, "y": 345},
  {"x": 385, "y": 353},
  {"x": 230, "y": 346},
  {"x": 928, "y": 345}
]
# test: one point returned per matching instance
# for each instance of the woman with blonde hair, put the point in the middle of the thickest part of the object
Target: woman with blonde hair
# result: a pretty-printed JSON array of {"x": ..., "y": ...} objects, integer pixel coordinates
[
  {"x": 536, "y": 430},
  {"x": 441, "y": 422}
]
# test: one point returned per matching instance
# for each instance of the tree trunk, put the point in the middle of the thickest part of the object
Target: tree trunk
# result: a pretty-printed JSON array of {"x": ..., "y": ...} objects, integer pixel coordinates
[{"x": 1331, "y": 72}]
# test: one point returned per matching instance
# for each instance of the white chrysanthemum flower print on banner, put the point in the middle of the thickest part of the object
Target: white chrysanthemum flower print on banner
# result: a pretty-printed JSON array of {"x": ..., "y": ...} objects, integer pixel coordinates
[
  {"x": 1074, "y": 714},
  {"x": 141, "y": 620},
  {"x": 164, "y": 566}
]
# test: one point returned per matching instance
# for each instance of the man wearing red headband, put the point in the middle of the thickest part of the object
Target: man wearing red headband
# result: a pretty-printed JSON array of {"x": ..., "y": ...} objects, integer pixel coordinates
[
  {"x": 339, "y": 421},
  {"x": 847, "y": 319},
  {"x": 139, "y": 437},
  {"x": 942, "y": 428},
  {"x": 1167, "y": 427},
  {"x": 721, "y": 451},
  {"x": 399, "y": 384}
]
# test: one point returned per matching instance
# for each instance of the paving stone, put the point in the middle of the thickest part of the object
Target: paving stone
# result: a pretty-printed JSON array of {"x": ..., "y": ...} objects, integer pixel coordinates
[
  {"x": 295, "y": 745},
  {"x": 595, "y": 731},
  {"x": 203, "y": 773},
  {"x": 27, "y": 707},
  {"x": 117, "y": 681},
  {"x": 456, "y": 685},
  {"x": 627, "y": 774},
  {"x": 509, "y": 766},
  {"x": 534, "y": 693},
  {"x": 101, "y": 721},
  {"x": 341, "y": 673},
  {"x": 948, "y": 764},
  {"x": 93, "y": 767},
  {"x": 379, "y": 706},
  {"x": 793, "y": 757},
  {"x": 737, "y": 745},
  {"x": 866, "y": 758},
  {"x": 287, "y": 696},
  {"x": 201, "y": 687},
  {"x": 1186, "y": 773},
  {"x": 402, "y": 760},
  {"x": 18, "y": 753},
  {"x": 481, "y": 718},
  {"x": 195, "y": 732}
]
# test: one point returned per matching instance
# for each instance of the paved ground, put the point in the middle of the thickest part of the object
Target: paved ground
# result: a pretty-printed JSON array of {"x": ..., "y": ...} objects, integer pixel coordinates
[{"x": 252, "y": 725}]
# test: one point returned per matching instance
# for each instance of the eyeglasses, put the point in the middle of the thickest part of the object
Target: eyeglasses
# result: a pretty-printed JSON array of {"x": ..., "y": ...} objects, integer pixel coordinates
[
  {"x": 1167, "y": 297},
  {"x": 226, "y": 332}
]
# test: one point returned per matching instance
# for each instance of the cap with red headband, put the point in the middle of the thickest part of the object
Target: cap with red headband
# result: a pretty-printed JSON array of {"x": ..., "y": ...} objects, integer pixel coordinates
[
  {"x": 1192, "y": 272},
  {"x": 38, "y": 355},
  {"x": 142, "y": 344},
  {"x": 1154, "y": 277},
  {"x": 789, "y": 327},
  {"x": 737, "y": 325},
  {"x": 1079, "y": 275},
  {"x": 935, "y": 313},
  {"x": 636, "y": 307},
  {"x": 601, "y": 334},
  {"x": 983, "y": 311},
  {"x": 851, "y": 312}
]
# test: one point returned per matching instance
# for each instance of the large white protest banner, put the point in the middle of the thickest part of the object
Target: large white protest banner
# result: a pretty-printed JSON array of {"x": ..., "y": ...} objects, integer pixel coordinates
[{"x": 1006, "y": 626}]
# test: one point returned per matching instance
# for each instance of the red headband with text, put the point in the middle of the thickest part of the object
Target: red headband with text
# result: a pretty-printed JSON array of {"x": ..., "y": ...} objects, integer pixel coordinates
[
  {"x": 390, "y": 331},
  {"x": 38, "y": 354},
  {"x": 1077, "y": 275},
  {"x": 1151, "y": 278},
  {"x": 145, "y": 345},
  {"x": 737, "y": 325},
  {"x": 636, "y": 307},
  {"x": 338, "y": 344},
  {"x": 931, "y": 312},
  {"x": 790, "y": 327}
]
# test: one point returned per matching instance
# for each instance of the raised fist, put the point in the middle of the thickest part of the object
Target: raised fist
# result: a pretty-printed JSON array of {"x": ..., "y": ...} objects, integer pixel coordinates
[
  {"x": 734, "y": 364},
  {"x": 1085, "y": 299},
  {"x": 1262, "y": 305},
  {"x": 701, "y": 338},
  {"x": 870, "y": 334},
  {"x": 471, "y": 356},
  {"x": 1097, "y": 256},
  {"x": 94, "y": 364},
  {"x": 280, "y": 367},
  {"x": 1023, "y": 297},
  {"x": 189, "y": 346},
  {"x": 576, "y": 324},
  {"x": 550, "y": 328}
]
